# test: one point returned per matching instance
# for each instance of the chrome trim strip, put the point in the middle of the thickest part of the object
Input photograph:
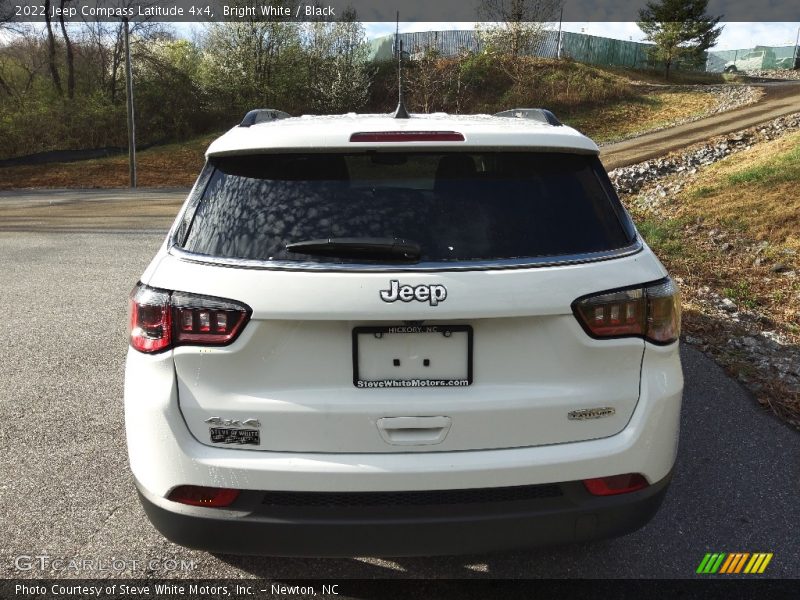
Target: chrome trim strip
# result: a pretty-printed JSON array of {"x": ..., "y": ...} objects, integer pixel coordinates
[{"x": 438, "y": 267}]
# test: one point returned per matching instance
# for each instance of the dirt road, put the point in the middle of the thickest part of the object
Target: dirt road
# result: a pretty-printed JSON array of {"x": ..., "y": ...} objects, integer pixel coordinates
[
  {"x": 780, "y": 98},
  {"x": 154, "y": 209}
]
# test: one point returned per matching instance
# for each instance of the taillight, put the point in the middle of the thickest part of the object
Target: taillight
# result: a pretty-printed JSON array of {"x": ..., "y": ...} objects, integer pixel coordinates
[
  {"x": 161, "y": 319},
  {"x": 652, "y": 311},
  {"x": 407, "y": 136},
  {"x": 663, "y": 312},
  {"x": 197, "y": 495},
  {"x": 150, "y": 324},
  {"x": 206, "y": 320},
  {"x": 616, "y": 484}
]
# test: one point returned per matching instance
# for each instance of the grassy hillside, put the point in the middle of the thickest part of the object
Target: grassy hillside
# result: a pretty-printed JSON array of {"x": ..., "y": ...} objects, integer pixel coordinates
[
  {"x": 652, "y": 109},
  {"x": 755, "y": 194},
  {"x": 732, "y": 236},
  {"x": 603, "y": 103},
  {"x": 751, "y": 198}
]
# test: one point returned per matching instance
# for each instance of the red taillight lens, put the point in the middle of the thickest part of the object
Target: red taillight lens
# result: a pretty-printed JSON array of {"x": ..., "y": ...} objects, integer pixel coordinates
[
  {"x": 205, "y": 320},
  {"x": 150, "y": 319},
  {"x": 614, "y": 314},
  {"x": 616, "y": 484},
  {"x": 160, "y": 319},
  {"x": 196, "y": 495},
  {"x": 407, "y": 136},
  {"x": 651, "y": 311}
]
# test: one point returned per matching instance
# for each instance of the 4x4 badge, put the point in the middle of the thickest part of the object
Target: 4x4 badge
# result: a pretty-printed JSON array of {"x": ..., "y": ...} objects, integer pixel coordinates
[
  {"x": 434, "y": 294},
  {"x": 219, "y": 421}
]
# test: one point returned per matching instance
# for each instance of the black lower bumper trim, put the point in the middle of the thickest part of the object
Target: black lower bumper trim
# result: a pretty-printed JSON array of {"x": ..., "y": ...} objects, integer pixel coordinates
[{"x": 251, "y": 527}]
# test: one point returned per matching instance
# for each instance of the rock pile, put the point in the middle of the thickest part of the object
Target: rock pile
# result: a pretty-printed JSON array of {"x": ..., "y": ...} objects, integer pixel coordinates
[
  {"x": 793, "y": 74},
  {"x": 770, "y": 352},
  {"x": 731, "y": 96}
]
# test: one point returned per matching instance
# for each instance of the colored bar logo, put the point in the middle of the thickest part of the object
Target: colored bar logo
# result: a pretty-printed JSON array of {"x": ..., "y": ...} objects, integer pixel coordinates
[{"x": 734, "y": 563}]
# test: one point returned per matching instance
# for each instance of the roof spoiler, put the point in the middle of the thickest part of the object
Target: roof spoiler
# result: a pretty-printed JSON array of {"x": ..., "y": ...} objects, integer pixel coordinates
[
  {"x": 263, "y": 115},
  {"x": 536, "y": 114}
]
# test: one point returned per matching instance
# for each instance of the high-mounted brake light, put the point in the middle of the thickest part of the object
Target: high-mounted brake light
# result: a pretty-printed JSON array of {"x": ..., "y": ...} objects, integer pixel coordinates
[
  {"x": 407, "y": 136},
  {"x": 652, "y": 311},
  {"x": 161, "y": 319},
  {"x": 196, "y": 495}
]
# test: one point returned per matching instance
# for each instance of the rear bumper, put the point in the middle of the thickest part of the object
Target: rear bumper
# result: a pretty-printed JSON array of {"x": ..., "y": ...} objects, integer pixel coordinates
[{"x": 561, "y": 513}]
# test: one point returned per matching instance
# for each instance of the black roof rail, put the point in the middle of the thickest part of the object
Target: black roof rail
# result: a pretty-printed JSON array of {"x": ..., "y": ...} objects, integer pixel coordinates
[
  {"x": 263, "y": 115},
  {"x": 537, "y": 114}
]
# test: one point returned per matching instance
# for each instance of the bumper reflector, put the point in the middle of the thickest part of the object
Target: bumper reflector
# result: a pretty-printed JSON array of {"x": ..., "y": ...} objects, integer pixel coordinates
[
  {"x": 616, "y": 484},
  {"x": 195, "y": 495}
]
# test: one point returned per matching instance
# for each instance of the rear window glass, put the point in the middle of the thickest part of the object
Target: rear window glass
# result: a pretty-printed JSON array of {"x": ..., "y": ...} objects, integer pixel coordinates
[{"x": 455, "y": 206}]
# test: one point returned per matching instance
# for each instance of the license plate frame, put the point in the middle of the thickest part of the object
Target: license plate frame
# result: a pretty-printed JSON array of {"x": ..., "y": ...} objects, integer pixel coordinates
[
  {"x": 404, "y": 330},
  {"x": 232, "y": 435}
]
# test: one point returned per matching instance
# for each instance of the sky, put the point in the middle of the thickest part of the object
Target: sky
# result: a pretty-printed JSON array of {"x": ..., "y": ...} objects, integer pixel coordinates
[{"x": 734, "y": 35}]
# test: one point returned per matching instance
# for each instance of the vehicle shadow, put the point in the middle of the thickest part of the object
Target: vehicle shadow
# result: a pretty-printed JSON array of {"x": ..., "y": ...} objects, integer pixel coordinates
[{"x": 520, "y": 564}]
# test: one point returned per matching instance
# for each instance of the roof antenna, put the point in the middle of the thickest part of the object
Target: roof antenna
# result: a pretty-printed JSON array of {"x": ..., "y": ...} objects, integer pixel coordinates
[{"x": 400, "y": 112}]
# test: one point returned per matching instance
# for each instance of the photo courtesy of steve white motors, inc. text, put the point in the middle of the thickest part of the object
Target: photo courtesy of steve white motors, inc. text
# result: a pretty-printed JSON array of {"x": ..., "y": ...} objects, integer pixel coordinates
[{"x": 193, "y": 590}]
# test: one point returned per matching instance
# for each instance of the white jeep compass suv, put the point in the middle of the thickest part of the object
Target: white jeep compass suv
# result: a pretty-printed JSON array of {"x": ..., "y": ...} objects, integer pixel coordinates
[{"x": 367, "y": 335}]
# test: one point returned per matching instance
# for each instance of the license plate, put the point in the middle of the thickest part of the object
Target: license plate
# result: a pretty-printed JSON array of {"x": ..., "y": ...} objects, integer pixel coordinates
[{"x": 406, "y": 356}]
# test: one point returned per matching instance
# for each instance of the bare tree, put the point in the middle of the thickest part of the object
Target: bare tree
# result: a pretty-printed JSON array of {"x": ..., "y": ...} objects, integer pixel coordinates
[
  {"x": 513, "y": 27},
  {"x": 22, "y": 62},
  {"x": 107, "y": 43},
  {"x": 51, "y": 51},
  {"x": 70, "y": 55}
]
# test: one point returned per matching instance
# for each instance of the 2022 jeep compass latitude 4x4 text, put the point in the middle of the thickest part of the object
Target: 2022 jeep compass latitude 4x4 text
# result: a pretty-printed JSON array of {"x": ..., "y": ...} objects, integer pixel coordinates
[{"x": 377, "y": 336}]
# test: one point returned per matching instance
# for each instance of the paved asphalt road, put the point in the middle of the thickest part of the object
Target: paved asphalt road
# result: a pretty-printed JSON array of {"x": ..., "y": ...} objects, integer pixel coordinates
[{"x": 65, "y": 490}]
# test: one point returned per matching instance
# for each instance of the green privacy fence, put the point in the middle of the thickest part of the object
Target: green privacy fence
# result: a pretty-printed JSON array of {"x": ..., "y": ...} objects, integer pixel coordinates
[
  {"x": 446, "y": 43},
  {"x": 606, "y": 51},
  {"x": 754, "y": 59},
  {"x": 577, "y": 46}
]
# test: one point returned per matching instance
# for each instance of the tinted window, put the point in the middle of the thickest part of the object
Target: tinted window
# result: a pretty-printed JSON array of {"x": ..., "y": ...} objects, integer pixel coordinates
[{"x": 456, "y": 206}]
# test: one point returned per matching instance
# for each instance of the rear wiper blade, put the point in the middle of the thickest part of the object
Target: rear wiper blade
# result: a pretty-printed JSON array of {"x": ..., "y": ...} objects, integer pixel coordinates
[{"x": 366, "y": 247}]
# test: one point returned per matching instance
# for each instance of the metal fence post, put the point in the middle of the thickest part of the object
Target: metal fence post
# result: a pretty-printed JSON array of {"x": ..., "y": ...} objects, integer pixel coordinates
[
  {"x": 560, "y": 18},
  {"x": 131, "y": 121},
  {"x": 794, "y": 54}
]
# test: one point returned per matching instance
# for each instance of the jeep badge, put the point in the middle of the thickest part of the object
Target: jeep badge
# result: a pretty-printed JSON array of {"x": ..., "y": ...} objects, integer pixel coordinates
[{"x": 408, "y": 293}]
